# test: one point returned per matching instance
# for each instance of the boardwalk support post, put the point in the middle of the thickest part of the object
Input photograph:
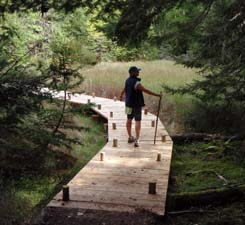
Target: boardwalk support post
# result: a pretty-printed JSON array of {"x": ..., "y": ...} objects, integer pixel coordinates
[
  {"x": 89, "y": 101},
  {"x": 163, "y": 138},
  {"x": 158, "y": 157},
  {"x": 111, "y": 114},
  {"x": 102, "y": 156},
  {"x": 152, "y": 188},
  {"x": 145, "y": 111},
  {"x": 114, "y": 126},
  {"x": 106, "y": 126},
  {"x": 69, "y": 96},
  {"x": 153, "y": 123},
  {"x": 65, "y": 193},
  {"x": 95, "y": 117},
  {"x": 99, "y": 106},
  {"x": 115, "y": 143}
]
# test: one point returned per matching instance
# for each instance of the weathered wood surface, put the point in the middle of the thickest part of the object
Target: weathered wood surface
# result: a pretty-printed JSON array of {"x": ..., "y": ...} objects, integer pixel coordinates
[{"x": 120, "y": 182}]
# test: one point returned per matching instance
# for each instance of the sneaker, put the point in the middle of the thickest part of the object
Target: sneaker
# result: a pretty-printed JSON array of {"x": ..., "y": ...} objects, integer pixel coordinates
[
  {"x": 131, "y": 139},
  {"x": 136, "y": 143}
]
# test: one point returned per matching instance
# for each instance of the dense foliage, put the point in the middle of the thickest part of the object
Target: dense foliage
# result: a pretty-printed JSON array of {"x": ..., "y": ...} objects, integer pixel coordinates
[
  {"x": 219, "y": 51},
  {"x": 206, "y": 34},
  {"x": 48, "y": 52}
]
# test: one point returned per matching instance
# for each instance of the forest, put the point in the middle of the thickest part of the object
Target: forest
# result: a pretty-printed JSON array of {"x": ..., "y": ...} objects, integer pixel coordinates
[{"x": 193, "y": 51}]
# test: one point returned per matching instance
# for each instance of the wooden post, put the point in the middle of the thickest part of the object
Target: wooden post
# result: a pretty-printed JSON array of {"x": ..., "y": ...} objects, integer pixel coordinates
[
  {"x": 111, "y": 114},
  {"x": 102, "y": 156},
  {"x": 146, "y": 111},
  {"x": 69, "y": 96},
  {"x": 75, "y": 104},
  {"x": 158, "y": 157},
  {"x": 95, "y": 117},
  {"x": 106, "y": 126},
  {"x": 163, "y": 138},
  {"x": 152, "y": 188},
  {"x": 93, "y": 94},
  {"x": 153, "y": 123},
  {"x": 99, "y": 106},
  {"x": 114, "y": 143},
  {"x": 65, "y": 193},
  {"x": 114, "y": 126},
  {"x": 115, "y": 98},
  {"x": 89, "y": 101}
]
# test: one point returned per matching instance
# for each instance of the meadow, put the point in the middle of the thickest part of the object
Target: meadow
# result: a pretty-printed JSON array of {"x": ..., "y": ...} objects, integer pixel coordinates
[{"x": 107, "y": 80}]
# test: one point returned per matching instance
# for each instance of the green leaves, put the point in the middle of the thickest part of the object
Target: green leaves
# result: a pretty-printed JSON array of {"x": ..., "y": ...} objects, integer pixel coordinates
[{"x": 36, "y": 54}]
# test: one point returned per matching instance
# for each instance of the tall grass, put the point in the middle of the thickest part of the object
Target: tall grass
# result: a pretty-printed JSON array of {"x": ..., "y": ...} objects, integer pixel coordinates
[{"x": 107, "y": 80}]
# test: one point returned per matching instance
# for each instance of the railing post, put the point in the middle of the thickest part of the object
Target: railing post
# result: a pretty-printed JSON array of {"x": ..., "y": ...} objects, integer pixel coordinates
[
  {"x": 66, "y": 196},
  {"x": 115, "y": 143},
  {"x": 158, "y": 156},
  {"x": 152, "y": 188},
  {"x": 114, "y": 126},
  {"x": 102, "y": 156},
  {"x": 153, "y": 123}
]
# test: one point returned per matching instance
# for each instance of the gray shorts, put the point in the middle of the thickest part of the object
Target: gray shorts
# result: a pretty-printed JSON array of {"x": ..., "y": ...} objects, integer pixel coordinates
[{"x": 135, "y": 113}]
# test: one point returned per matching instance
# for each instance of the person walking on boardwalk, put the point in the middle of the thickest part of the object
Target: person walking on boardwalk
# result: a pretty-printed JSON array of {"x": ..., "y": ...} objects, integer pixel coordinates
[{"x": 134, "y": 101}]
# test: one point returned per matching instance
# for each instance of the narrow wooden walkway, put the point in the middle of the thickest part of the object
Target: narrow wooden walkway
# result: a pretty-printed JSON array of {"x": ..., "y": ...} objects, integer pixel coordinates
[{"x": 120, "y": 182}]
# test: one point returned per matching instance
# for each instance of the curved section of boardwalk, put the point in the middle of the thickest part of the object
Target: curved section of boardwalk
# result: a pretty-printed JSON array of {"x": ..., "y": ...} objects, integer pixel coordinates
[{"x": 120, "y": 182}]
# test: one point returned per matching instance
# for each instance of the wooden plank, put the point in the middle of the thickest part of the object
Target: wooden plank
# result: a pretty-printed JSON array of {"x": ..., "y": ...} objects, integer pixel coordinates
[
  {"x": 112, "y": 154},
  {"x": 117, "y": 198},
  {"x": 137, "y": 172},
  {"x": 120, "y": 189},
  {"x": 120, "y": 182},
  {"x": 132, "y": 165},
  {"x": 103, "y": 206}
]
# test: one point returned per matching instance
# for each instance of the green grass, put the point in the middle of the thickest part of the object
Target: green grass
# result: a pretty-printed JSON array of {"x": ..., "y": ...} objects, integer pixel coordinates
[
  {"x": 153, "y": 74},
  {"x": 194, "y": 165},
  {"x": 230, "y": 214},
  {"x": 24, "y": 194},
  {"x": 107, "y": 80}
]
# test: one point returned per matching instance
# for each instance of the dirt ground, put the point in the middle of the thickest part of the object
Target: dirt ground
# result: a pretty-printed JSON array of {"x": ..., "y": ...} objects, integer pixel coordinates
[
  {"x": 230, "y": 214},
  {"x": 63, "y": 216}
]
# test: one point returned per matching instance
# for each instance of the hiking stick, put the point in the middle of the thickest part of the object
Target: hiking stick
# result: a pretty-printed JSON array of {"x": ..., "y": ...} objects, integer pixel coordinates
[{"x": 158, "y": 110}]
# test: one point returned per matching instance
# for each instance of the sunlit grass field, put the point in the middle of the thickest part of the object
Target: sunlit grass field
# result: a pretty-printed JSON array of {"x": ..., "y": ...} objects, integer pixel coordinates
[
  {"x": 107, "y": 80},
  {"x": 153, "y": 74}
]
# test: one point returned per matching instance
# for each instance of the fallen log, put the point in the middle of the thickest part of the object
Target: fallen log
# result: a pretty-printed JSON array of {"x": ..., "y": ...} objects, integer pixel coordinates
[
  {"x": 174, "y": 213},
  {"x": 213, "y": 197},
  {"x": 209, "y": 171},
  {"x": 190, "y": 137}
]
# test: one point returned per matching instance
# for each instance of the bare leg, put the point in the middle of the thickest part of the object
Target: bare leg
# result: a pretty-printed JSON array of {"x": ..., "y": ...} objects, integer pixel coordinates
[
  {"x": 129, "y": 125},
  {"x": 137, "y": 129}
]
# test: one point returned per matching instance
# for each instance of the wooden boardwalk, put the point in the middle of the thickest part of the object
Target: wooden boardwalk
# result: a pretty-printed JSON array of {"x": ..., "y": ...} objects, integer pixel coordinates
[{"x": 120, "y": 182}]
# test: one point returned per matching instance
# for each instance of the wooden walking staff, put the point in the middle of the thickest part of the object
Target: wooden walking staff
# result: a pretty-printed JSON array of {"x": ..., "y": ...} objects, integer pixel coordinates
[{"x": 158, "y": 110}]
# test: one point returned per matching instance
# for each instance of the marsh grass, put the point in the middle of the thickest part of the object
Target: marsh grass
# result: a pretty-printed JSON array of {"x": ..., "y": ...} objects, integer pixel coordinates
[
  {"x": 107, "y": 80},
  {"x": 194, "y": 166}
]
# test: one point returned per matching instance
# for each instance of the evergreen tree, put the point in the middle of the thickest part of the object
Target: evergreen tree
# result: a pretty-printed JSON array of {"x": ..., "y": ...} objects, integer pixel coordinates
[{"x": 33, "y": 58}]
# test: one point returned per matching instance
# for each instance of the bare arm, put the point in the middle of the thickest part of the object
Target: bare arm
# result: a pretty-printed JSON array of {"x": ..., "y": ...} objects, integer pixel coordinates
[
  {"x": 122, "y": 93},
  {"x": 141, "y": 88}
]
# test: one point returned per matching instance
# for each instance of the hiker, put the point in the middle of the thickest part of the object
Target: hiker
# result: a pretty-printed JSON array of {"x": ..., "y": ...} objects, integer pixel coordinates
[{"x": 134, "y": 101}]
